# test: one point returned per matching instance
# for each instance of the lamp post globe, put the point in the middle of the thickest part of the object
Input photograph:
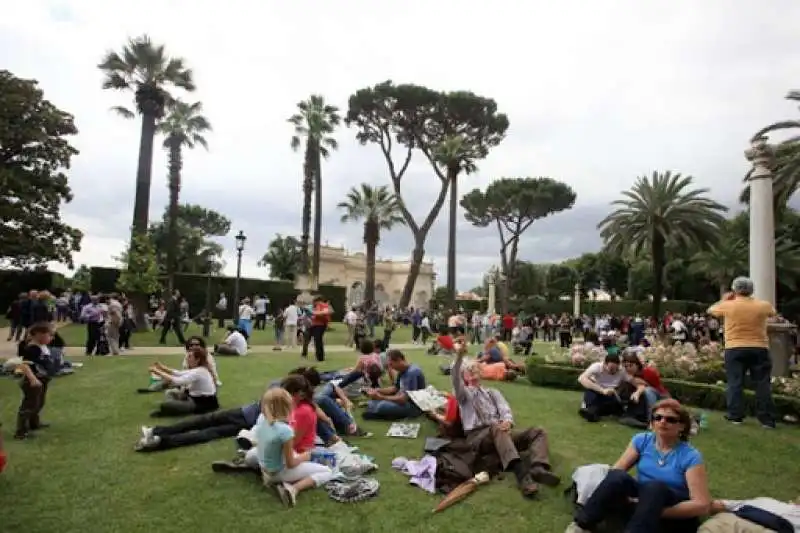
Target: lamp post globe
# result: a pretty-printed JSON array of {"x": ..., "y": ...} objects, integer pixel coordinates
[{"x": 240, "y": 240}]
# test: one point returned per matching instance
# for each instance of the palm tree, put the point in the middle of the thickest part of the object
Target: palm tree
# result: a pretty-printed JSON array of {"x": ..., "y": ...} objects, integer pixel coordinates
[
  {"x": 314, "y": 122},
  {"x": 722, "y": 261},
  {"x": 454, "y": 155},
  {"x": 282, "y": 257},
  {"x": 184, "y": 126},
  {"x": 146, "y": 70},
  {"x": 380, "y": 210},
  {"x": 659, "y": 211}
]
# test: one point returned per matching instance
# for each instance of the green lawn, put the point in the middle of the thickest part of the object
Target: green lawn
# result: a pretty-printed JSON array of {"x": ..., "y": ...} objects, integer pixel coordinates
[
  {"x": 83, "y": 475},
  {"x": 75, "y": 335}
]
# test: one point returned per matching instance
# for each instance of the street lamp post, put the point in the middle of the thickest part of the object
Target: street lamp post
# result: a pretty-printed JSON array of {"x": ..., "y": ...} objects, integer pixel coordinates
[{"x": 240, "y": 240}]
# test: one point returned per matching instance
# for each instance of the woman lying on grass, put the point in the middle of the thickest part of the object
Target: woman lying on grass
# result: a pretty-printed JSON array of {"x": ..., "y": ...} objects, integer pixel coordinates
[
  {"x": 198, "y": 391},
  {"x": 281, "y": 465}
]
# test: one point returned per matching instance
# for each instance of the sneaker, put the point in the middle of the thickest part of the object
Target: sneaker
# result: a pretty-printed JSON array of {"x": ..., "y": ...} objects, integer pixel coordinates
[
  {"x": 230, "y": 466},
  {"x": 243, "y": 442},
  {"x": 291, "y": 494},
  {"x": 575, "y": 528},
  {"x": 734, "y": 421},
  {"x": 147, "y": 433},
  {"x": 768, "y": 425},
  {"x": 147, "y": 444},
  {"x": 588, "y": 415}
]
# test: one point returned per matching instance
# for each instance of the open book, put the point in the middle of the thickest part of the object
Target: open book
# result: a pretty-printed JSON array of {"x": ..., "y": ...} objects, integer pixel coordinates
[{"x": 427, "y": 400}]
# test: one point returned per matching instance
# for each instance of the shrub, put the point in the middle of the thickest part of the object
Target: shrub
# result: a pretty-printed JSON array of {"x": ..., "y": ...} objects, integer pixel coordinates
[{"x": 706, "y": 396}]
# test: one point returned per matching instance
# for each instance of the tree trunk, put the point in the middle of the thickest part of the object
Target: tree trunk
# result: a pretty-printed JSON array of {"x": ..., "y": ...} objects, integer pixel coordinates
[
  {"x": 371, "y": 240},
  {"x": 658, "y": 274},
  {"x": 452, "y": 176},
  {"x": 175, "y": 165},
  {"x": 144, "y": 171},
  {"x": 308, "y": 189},
  {"x": 417, "y": 255},
  {"x": 317, "y": 213}
]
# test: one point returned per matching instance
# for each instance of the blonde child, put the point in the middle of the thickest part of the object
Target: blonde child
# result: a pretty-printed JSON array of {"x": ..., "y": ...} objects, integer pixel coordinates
[{"x": 288, "y": 471}]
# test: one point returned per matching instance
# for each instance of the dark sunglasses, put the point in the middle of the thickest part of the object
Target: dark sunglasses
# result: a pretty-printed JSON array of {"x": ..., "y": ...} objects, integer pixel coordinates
[
  {"x": 194, "y": 345},
  {"x": 666, "y": 418}
]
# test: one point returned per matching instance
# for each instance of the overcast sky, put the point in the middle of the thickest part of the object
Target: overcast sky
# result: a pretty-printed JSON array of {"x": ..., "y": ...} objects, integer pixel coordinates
[{"x": 597, "y": 94}]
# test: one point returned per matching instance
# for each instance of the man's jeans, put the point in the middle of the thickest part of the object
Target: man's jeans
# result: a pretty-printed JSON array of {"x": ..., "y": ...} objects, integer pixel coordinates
[
  {"x": 652, "y": 397},
  {"x": 386, "y": 410},
  {"x": 326, "y": 401},
  {"x": 758, "y": 363},
  {"x": 611, "y": 499},
  {"x": 199, "y": 429}
]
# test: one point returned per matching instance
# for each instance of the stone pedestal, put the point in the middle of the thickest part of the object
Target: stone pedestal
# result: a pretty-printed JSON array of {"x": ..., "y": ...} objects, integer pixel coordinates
[
  {"x": 781, "y": 346},
  {"x": 576, "y": 302},
  {"x": 302, "y": 283}
]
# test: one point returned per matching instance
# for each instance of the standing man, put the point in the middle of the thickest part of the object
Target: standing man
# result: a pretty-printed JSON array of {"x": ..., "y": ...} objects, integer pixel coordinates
[
  {"x": 172, "y": 319},
  {"x": 290, "y": 315},
  {"x": 260, "y": 307},
  {"x": 320, "y": 316},
  {"x": 746, "y": 350},
  {"x": 222, "y": 309}
]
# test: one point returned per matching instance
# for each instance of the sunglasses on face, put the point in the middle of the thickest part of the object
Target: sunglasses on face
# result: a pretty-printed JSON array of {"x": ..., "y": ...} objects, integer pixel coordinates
[
  {"x": 194, "y": 345},
  {"x": 669, "y": 419}
]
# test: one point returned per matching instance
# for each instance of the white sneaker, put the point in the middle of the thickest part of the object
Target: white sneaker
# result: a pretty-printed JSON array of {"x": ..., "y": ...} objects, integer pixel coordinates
[
  {"x": 147, "y": 433},
  {"x": 575, "y": 528},
  {"x": 291, "y": 494}
]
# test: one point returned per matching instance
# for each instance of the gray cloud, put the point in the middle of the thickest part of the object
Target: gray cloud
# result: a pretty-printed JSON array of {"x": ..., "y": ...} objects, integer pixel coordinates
[{"x": 595, "y": 100}]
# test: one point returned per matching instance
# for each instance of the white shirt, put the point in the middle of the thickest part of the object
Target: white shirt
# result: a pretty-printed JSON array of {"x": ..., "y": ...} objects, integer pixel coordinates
[
  {"x": 679, "y": 330},
  {"x": 245, "y": 312},
  {"x": 788, "y": 511},
  {"x": 237, "y": 341},
  {"x": 260, "y": 305},
  {"x": 597, "y": 371},
  {"x": 350, "y": 317},
  {"x": 290, "y": 314},
  {"x": 222, "y": 304},
  {"x": 198, "y": 381}
]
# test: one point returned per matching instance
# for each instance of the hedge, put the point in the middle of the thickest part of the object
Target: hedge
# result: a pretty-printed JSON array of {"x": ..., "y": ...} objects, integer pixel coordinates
[
  {"x": 700, "y": 395},
  {"x": 13, "y": 282},
  {"x": 196, "y": 288},
  {"x": 617, "y": 307}
]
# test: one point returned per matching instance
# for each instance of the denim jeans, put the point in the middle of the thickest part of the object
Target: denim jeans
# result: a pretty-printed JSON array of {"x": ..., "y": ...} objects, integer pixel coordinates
[
  {"x": 757, "y": 362},
  {"x": 652, "y": 396},
  {"x": 386, "y": 410},
  {"x": 611, "y": 499},
  {"x": 326, "y": 401},
  {"x": 325, "y": 432}
]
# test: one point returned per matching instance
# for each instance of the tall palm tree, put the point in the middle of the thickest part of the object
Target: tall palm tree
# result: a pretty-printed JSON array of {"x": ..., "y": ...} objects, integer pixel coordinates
[
  {"x": 146, "y": 70},
  {"x": 314, "y": 122},
  {"x": 282, "y": 257},
  {"x": 183, "y": 126},
  {"x": 380, "y": 210},
  {"x": 455, "y": 156},
  {"x": 659, "y": 211}
]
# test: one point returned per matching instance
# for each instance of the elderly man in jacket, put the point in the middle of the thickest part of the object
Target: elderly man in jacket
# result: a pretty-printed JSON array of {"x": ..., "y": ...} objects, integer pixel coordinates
[{"x": 489, "y": 427}]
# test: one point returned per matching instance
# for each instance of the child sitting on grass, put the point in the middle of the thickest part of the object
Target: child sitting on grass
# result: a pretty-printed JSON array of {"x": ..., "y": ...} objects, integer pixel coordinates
[{"x": 281, "y": 467}]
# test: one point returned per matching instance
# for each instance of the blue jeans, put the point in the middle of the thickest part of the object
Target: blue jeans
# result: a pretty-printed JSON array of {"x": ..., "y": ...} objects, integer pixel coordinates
[
  {"x": 325, "y": 432},
  {"x": 611, "y": 499},
  {"x": 757, "y": 362},
  {"x": 652, "y": 397},
  {"x": 325, "y": 400},
  {"x": 386, "y": 410},
  {"x": 247, "y": 325},
  {"x": 278, "y": 335}
]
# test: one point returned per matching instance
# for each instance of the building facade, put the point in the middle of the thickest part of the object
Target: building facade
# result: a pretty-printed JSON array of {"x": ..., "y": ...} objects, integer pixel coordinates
[{"x": 343, "y": 269}]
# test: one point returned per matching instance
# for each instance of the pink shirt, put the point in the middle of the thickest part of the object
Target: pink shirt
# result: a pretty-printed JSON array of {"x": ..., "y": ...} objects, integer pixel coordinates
[
  {"x": 304, "y": 423},
  {"x": 370, "y": 359}
]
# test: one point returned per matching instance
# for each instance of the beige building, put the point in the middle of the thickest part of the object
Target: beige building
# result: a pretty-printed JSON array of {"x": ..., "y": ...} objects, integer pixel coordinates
[{"x": 340, "y": 268}]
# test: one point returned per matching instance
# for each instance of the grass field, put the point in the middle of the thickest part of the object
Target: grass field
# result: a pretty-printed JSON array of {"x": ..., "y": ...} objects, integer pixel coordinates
[{"x": 83, "y": 475}]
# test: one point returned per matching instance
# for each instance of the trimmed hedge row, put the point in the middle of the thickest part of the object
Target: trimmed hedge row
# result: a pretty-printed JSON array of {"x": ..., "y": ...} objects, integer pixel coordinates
[
  {"x": 702, "y": 395},
  {"x": 13, "y": 282}
]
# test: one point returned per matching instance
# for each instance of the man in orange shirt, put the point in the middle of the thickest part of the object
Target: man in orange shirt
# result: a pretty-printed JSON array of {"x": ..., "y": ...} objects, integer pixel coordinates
[
  {"x": 320, "y": 316},
  {"x": 746, "y": 349}
]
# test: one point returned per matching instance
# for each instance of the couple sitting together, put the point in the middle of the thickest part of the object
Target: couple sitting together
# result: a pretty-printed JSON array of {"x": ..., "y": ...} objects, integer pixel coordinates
[
  {"x": 190, "y": 390},
  {"x": 629, "y": 389}
]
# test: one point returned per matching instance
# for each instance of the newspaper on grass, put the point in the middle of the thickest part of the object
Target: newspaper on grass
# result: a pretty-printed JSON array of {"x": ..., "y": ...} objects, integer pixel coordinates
[{"x": 403, "y": 430}]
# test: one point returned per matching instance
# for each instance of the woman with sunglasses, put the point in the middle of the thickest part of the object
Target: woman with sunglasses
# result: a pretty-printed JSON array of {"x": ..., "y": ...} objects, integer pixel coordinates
[
  {"x": 159, "y": 385},
  {"x": 670, "y": 492}
]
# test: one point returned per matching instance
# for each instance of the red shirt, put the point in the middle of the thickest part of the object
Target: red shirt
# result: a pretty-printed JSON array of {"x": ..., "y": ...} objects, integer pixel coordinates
[
  {"x": 320, "y": 320},
  {"x": 651, "y": 376},
  {"x": 446, "y": 342},
  {"x": 508, "y": 322},
  {"x": 304, "y": 423}
]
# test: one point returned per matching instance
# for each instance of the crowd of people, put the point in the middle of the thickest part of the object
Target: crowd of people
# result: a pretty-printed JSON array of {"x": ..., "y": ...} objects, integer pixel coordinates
[{"x": 308, "y": 410}]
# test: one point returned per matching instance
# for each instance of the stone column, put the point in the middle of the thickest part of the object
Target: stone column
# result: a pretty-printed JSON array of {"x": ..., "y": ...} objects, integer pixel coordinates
[
  {"x": 762, "y": 220},
  {"x": 492, "y": 291},
  {"x": 762, "y": 248},
  {"x": 302, "y": 283},
  {"x": 576, "y": 300}
]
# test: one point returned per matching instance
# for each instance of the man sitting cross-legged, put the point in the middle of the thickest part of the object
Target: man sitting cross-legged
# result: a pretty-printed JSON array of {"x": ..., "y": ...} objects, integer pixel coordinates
[
  {"x": 392, "y": 403},
  {"x": 234, "y": 344},
  {"x": 488, "y": 422},
  {"x": 601, "y": 381}
]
